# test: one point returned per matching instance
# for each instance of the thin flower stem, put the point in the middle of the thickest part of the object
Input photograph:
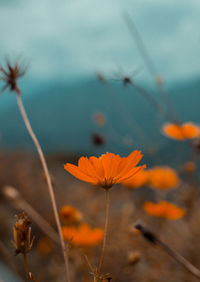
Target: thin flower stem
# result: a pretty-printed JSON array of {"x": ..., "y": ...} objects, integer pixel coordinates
[
  {"x": 49, "y": 183},
  {"x": 26, "y": 266},
  {"x": 105, "y": 230},
  {"x": 29, "y": 275}
]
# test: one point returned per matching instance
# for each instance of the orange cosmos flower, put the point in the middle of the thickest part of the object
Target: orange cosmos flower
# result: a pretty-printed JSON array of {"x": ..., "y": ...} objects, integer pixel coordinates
[
  {"x": 107, "y": 170},
  {"x": 83, "y": 235},
  {"x": 69, "y": 215},
  {"x": 164, "y": 209},
  {"x": 187, "y": 130},
  {"x": 163, "y": 178},
  {"x": 139, "y": 180}
]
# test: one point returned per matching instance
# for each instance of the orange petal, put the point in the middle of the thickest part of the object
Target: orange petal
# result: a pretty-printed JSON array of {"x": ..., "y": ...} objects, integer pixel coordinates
[
  {"x": 97, "y": 164},
  {"x": 190, "y": 130},
  {"x": 131, "y": 173},
  {"x": 164, "y": 209},
  {"x": 85, "y": 166},
  {"x": 129, "y": 163},
  {"x": 75, "y": 171},
  {"x": 174, "y": 131}
]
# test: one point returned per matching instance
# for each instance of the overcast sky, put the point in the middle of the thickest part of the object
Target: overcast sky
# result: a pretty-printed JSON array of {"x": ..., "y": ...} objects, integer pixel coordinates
[{"x": 75, "y": 38}]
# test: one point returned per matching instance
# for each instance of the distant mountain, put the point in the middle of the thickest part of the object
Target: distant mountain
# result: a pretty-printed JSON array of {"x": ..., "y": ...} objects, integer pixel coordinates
[{"x": 62, "y": 117}]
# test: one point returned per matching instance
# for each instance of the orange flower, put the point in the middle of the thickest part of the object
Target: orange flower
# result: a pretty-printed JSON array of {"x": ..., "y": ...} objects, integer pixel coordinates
[
  {"x": 164, "y": 209},
  {"x": 69, "y": 214},
  {"x": 107, "y": 170},
  {"x": 187, "y": 130},
  {"x": 83, "y": 235},
  {"x": 140, "y": 179},
  {"x": 163, "y": 178}
]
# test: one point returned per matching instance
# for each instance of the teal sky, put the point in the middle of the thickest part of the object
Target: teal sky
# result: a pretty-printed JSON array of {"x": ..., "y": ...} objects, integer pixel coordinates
[{"x": 75, "y": 38}]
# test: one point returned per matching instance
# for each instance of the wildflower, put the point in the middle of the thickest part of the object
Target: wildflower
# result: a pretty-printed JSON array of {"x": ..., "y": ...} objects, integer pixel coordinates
[
  {"x": 22, "y": 234},
  {"x": 164, "y": 209},
  {"x": 187, "y": 130},
  {"x": 140, "y": 179},
  {"x": 83, "y": 235},
  {"x": 69, "y": 215},
  {"x": 163, "y": 177},
  {"x": 107, "y": 170},
  {"x": 97, "y": 139},
  {"x": 11, "y": 75}
]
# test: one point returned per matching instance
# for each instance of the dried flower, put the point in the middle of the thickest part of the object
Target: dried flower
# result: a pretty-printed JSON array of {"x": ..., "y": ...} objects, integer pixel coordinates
[
  {"x": 83, "y": 235},
  {"x": 187, "y": 130},
  {"x": 107, "y": 170},
  {"x": 10, "y": 75},
  {"x": 164, "y": 209},
  {"x": 22, "y": 234},
  {"x": 70, "y": 215},
  {"x": 97, "y": 139},
  {"x": 163, "y": 177}
]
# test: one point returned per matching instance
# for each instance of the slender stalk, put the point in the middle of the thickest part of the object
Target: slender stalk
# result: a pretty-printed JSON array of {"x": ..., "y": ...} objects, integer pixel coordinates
[
  {"x": 152, "y": 238},
  {"x": 150, "y": 99},
  {"x": 105, "y": 231},
  {"x": 49, "y": 183},
  {"x": 150, "y": 66},
  {"x": 29, "y": 275}
]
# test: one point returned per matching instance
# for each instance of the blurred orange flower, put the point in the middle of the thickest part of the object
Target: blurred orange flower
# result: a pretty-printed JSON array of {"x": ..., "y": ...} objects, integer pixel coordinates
[
  {"x": 140, "y": 179},
  {"x": 83, "y": 235},
  {"x": 99, "y": 119},
  {"x": 69, "y": 215},
  {"x": 164, "y": 209},
  {"x": 107, "y": 170},
  {"x": 187, "y": 130},
  {"x": 163, "y": 177}
]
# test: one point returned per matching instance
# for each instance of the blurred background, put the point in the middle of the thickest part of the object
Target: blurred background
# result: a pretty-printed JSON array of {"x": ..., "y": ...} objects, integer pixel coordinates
[
  {"x": 66, "y": 45},
  {"x": 102, "y": 76}
]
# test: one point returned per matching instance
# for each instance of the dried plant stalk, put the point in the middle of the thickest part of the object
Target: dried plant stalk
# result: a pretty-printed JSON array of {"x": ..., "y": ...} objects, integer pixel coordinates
[
  {"x": 152, "y": 238},
  {"x": 49, "y": 183}
]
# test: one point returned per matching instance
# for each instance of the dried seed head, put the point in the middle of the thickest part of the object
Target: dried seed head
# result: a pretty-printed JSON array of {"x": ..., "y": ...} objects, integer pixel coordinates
[
  {"x": 22, "y": 234},
  {"x": 10, "y": 74},
  {"x": 97, "y": 139}
]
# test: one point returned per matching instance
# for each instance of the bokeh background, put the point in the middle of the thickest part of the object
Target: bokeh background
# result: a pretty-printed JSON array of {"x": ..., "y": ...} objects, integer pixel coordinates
[
  {"x": 66, "y": 44},
  {"x": 77, "y": 53}
]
